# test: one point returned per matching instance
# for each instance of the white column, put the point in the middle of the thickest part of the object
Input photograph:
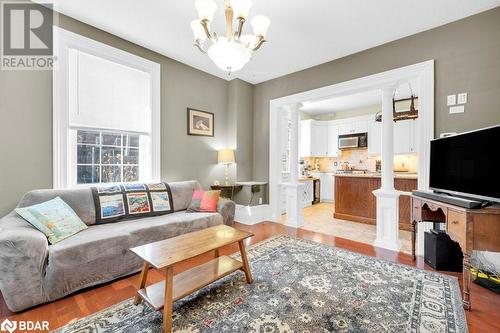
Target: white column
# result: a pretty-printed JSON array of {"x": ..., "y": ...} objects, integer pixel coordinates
[
  {"x": 294, "y": 144},
  {"x": 294, "y": 188},
  {"x": 387, "y": 196}
]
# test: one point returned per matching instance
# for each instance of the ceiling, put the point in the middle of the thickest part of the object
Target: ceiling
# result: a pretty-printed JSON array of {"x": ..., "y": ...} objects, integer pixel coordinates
[
  {"x": 356, "y": 101},
  {"x": 302, "y": 33}
]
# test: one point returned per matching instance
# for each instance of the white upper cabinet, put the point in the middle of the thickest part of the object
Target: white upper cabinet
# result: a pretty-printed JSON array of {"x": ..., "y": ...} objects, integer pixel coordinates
[
  {"x": 402, "y": 136},
  {"x": 405, "y": 137},
  {"x": 305, "y": 138},
  {"x": 333, "y": 140},
  {"x": 359, "y": 126},
  {"x": 374, "y": 137},
  {"x": 319, "y": 139}
]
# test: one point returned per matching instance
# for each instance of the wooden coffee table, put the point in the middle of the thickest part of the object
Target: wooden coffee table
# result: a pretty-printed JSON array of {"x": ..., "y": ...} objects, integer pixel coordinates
[{"x": 167, "y": 253}]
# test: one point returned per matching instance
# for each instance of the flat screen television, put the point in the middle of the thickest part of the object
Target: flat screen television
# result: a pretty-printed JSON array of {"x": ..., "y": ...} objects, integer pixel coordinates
[{"x": 467, "y": 164}]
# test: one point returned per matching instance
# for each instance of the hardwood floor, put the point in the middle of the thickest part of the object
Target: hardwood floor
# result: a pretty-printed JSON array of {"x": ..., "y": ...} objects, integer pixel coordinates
[{"x": 482, "y": 318}]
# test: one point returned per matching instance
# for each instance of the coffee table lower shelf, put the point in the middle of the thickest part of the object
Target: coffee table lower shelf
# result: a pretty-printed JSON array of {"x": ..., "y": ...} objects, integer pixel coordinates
[{"x": 189, "y": 281}]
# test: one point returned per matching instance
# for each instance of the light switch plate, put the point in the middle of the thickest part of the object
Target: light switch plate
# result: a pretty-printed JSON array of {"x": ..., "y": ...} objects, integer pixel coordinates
[
  {"x": 462, "y": 98},
  {"x": 457, "y": 109},
  {"x": 452, "y": 100}
]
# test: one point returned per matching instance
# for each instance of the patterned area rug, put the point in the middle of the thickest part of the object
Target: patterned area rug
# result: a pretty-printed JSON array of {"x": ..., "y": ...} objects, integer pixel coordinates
[{"x": 302, "y": 286}]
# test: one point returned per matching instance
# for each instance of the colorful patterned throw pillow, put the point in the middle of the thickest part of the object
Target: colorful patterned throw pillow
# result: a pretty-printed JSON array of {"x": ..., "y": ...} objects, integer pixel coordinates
[
  {"x": 54, "y": 218},
  {"x": 204, "y": 201}
]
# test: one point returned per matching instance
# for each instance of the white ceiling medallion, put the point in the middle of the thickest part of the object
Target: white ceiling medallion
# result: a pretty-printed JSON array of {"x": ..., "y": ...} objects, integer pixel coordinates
[{"x": 234, "y": 51}]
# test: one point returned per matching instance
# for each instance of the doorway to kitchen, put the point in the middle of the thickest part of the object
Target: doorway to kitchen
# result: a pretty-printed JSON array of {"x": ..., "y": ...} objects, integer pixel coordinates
[{"x": 365, "y": 167}]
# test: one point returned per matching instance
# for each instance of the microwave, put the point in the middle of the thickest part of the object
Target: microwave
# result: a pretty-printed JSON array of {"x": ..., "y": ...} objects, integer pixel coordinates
[{"x": 353, "y": 141}]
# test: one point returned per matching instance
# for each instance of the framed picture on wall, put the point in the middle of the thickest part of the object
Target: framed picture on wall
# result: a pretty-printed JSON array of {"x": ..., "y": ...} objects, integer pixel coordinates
[{"x": 200, "y": 122}]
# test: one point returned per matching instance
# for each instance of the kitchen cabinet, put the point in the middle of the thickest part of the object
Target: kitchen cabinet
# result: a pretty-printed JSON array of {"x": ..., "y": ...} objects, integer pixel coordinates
[
  {"x": 308, "y": 193},
  {"x": 318, "y": 139},
  {"x": 375, "y": 138},
  {"x": 326, "y": 185},
  {"x": 355, "y": 201},
  {"x": 358, "y": 126},
  {"x": 333, "y": 140},
  {"x": 405, "y": 137},
  {"x": 305, "y": 138}
]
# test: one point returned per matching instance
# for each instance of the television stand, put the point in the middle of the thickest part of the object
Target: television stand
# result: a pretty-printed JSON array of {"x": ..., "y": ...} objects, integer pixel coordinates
[{"x": 472, "y": 229}]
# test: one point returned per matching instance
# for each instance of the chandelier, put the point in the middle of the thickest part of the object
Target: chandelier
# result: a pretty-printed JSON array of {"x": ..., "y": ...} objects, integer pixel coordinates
[{"x": 232, "y": 52}]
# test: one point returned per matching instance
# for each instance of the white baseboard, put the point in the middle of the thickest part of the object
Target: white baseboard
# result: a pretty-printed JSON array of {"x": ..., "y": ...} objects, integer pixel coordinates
[{"x": 251, "y": 214}]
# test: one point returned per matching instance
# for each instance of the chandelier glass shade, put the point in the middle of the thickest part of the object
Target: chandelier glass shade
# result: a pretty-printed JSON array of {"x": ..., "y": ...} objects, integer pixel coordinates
[{"x": 232, "y": 52}]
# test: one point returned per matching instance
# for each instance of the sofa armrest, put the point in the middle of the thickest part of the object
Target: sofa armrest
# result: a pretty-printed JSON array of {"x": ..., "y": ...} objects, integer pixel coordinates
[
  {"x": 226, "y": 208},
  {"x": 23, "y": 256}
]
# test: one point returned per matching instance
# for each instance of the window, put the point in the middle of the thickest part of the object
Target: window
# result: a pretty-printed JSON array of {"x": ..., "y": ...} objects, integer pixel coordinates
[
  {"x": 106, "y": 114},
  {"x": 107, "y": 157}
]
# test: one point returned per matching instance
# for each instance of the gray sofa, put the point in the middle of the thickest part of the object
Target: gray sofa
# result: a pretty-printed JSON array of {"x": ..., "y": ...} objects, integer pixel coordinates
[{"x": 34, "y": 272}]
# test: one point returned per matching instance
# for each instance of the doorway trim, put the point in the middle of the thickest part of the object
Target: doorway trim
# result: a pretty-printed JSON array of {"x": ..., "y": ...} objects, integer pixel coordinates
[{"x": 423, "y": 72}]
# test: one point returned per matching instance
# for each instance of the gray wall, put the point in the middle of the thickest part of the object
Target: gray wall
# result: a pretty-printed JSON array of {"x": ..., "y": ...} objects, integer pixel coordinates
[
  {"x": 240, "y": 126},
  {"x": 26, "y": 121},
  {"x": 467, "y": 59}
]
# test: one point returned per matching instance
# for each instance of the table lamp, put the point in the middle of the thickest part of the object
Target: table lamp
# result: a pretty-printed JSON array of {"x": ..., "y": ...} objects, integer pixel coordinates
[{"x": 226, "y": 157}]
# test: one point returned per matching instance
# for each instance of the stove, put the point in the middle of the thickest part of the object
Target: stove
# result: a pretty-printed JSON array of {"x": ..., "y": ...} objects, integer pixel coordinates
[{"x": 351, "y": 172}]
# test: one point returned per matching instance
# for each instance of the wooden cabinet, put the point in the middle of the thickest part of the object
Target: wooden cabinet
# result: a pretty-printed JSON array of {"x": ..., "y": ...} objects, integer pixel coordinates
[
  {"x": 355, "y": 201},
  {"x": 406, "y": 185},
  {"x": 472, "y": 229}
]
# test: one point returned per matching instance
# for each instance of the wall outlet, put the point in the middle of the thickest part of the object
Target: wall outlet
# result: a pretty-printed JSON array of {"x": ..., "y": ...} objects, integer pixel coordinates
[
  {"x": 451, "y": 100},
  {"x": 462, "y": 98},
  {"x": 457, "y": 109}
]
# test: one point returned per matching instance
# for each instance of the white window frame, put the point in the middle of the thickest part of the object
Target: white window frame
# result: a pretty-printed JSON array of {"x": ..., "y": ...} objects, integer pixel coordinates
[{"x": 62, "y": 151}]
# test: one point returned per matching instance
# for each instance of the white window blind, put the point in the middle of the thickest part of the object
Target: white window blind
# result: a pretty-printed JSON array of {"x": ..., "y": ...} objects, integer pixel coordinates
[
  {"x": 108, "y": 95},
  {"x": 106, "y": 114}
]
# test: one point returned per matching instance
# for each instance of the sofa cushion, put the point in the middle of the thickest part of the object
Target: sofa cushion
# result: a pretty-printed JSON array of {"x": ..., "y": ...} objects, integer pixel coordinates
[
  {"x": 157, "y": 228},
  {"x": 182, "y": 192},
  {"x": 54, "y": 218},
  {"x": 204, "y": 201},
  {"x": 101, "y": 253},
  {"x": 80, "y": 200}
]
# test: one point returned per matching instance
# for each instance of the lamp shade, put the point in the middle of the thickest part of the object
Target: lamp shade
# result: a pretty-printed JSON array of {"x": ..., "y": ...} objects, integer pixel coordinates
[
  {"x": 206, "y": 9},
  {"x": 260, "y": 24},
  {"x": 241, "y": 8},
  {"x": 229, "y": 55},
  {"x": 226, "y": 156}
]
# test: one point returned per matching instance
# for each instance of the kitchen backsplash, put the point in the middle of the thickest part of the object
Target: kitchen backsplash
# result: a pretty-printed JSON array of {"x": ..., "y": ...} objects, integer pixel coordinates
[{"x": 359, "y": 159}]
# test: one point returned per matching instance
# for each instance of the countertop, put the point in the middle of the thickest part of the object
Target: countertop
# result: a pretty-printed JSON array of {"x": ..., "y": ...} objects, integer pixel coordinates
[
  {"x": 378, "y": 175},
  {"x": 304, "y": 179}
]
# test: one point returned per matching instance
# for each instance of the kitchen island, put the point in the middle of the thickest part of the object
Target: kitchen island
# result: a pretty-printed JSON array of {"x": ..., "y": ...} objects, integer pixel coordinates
[{"x": 355, "y": 201}]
